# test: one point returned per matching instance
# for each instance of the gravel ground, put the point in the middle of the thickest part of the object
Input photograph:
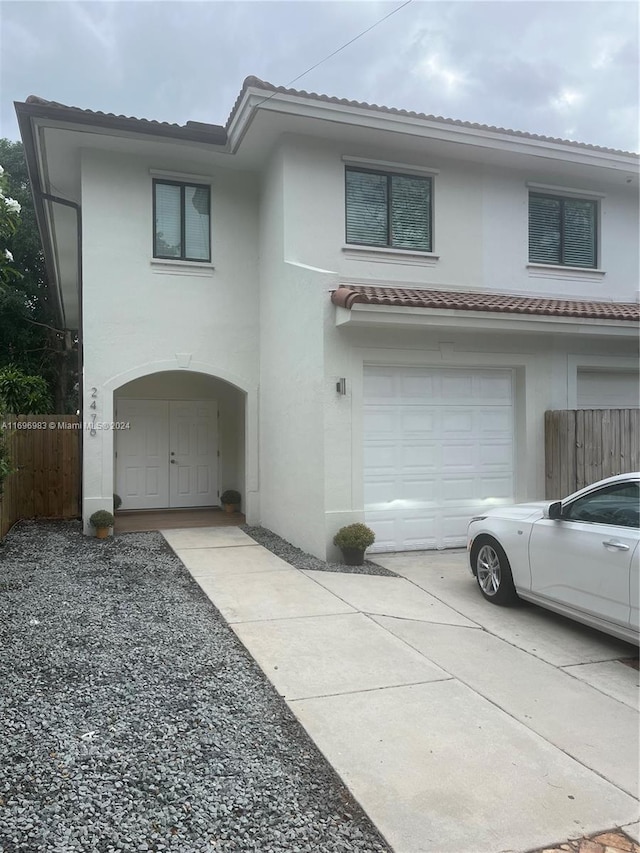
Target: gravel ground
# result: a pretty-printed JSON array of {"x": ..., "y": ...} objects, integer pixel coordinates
[
  {"x": 300, "y": 560},
  {"x": 134, "y": 720}
]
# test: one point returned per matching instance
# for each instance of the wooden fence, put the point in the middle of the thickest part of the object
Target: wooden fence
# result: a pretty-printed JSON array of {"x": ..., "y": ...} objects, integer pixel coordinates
[
  {"x": 45, "y": 456},
  {"x": 585, "y": 445}
]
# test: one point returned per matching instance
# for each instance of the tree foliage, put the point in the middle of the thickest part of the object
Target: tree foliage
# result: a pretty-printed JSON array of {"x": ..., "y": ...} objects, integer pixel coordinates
[
  {"x": 30, "y": 337},
  {"x": 22, "y": 394}
]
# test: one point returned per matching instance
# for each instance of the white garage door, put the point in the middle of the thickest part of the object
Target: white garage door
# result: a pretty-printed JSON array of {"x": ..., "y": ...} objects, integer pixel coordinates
[
  {"x": 438, "y": 447},
  {"x": 608, "y": 389}
]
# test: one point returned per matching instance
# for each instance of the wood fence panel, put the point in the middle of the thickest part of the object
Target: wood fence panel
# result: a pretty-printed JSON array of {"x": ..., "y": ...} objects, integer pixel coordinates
[
  {"x": 586, "y": 445},
  {"x": 46, "y": 461}
]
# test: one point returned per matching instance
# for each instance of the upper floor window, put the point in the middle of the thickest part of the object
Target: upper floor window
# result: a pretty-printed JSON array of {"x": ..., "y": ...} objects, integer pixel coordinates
[
  {"x": 562, "y": 230},
  {"x": 384, "y": 209},
  {"x": 181, "y": 214}
]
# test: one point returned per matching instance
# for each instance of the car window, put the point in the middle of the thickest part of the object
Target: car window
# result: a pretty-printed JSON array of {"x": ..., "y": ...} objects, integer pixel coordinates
[{"x": 618, "y": 504}]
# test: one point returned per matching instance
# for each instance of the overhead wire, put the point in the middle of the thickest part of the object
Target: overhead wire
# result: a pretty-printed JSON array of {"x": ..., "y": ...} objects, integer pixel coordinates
[{"x": 339, "y": 49}]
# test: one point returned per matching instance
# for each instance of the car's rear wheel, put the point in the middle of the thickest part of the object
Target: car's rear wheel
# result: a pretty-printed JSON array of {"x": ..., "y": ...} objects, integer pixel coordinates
[{"x": 493, "y": 572}]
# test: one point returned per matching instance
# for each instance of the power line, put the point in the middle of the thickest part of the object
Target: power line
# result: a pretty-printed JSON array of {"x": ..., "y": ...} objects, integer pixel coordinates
[{"x": 339, "y": 49}]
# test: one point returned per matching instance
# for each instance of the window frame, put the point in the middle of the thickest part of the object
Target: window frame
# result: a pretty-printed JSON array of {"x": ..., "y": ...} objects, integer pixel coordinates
[
  {"x": 563, "y": 197},
  {"x": 595, "y": 494},
  {"x": 183, "y": 185},
  {"x": 389, "y": 175}
]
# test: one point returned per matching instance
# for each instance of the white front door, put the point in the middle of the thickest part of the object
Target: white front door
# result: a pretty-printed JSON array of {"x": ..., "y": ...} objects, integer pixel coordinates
[
  {"x": 193, "y": 463},
  {"x": 168, "y": 455},
  {"x": 438, "y": 446}
]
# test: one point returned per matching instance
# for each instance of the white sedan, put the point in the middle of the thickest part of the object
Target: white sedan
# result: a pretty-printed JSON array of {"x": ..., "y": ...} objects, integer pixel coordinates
[{"x": 578, "y": 557}]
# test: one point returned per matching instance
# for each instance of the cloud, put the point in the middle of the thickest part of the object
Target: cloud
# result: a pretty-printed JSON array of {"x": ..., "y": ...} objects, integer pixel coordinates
[
  {"x": 567, "y": 99},
  {"x": 540, "y": 66},
  {"x": 439, "y": 72}
]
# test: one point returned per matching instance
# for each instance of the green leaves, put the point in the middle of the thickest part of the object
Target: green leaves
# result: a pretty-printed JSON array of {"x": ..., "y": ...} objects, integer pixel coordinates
[{"x": 22, "y": 393}]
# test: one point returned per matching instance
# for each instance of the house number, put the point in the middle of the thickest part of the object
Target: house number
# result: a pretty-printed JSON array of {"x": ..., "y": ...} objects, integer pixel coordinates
[{"x": 94, "y": 396}]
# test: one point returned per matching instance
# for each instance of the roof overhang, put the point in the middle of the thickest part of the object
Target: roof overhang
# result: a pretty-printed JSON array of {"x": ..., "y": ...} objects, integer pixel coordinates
[
  {"x": 52, "y": 135},
  {"x": 394, "y": 316},
  {"x": 299, "y": 110}
]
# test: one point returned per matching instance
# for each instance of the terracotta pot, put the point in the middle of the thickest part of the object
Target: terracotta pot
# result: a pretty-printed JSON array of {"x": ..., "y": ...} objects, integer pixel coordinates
[
  {"x": 102, "y": 532},
  {"x": 230, "y": 507},
  {"x": 353, "y": 556}
]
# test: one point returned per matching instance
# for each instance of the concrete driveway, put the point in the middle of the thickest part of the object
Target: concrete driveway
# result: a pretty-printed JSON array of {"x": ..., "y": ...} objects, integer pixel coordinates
[{"x": 459, "y": 726}]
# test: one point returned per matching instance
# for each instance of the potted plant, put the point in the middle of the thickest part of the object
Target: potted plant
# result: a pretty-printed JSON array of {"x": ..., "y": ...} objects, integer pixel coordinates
[
  {"x": 230, "y": 500},
  {"x": 117, "y": 502},
  {"x": 103, "y": 521},
  {"x": 353, "y": 540}
]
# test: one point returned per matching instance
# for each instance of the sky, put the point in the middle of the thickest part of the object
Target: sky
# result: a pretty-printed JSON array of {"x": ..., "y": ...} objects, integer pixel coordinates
[{"x": 565, "y": 68}]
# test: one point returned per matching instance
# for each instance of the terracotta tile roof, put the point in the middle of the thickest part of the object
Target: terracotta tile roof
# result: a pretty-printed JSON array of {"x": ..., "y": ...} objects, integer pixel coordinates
[
  {"x": 347, "y": 296},
  {"x": 256, "y": 83},
  {"x": 192, "y": 130}
]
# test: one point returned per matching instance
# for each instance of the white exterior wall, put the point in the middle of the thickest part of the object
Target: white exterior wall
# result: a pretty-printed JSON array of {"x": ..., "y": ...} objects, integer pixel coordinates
[
  {"x": 481, "y": 238},
  {"x": 262, "y": 319},
  {"x": 138, "y": 320},
  {"x": 292, "y": 302}
]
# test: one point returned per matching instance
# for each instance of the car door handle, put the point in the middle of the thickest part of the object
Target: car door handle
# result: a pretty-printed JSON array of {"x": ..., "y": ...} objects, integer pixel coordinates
[{"x": 611, "y": 543}]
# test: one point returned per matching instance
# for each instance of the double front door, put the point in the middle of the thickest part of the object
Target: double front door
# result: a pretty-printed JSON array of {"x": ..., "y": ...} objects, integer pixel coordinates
[{"x": 168, "y": 454}]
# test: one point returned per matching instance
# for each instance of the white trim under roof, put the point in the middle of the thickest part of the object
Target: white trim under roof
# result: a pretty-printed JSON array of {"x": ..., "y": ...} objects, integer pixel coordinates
[{"x": 361, "y": 315}]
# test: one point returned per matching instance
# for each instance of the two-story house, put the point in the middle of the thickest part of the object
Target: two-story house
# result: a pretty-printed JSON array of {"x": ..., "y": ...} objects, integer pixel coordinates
[{"x": 347, "y": 312}]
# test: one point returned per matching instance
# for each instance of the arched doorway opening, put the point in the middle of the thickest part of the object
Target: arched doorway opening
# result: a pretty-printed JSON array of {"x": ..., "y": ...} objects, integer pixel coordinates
[{"x": 181, "y": 440}]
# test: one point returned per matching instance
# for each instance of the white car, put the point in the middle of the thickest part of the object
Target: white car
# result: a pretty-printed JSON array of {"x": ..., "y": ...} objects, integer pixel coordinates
[{"x": 578, "y": 557}]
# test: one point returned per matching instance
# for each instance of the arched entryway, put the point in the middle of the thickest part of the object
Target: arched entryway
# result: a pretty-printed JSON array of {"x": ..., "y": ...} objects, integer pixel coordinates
[{"x": 181, "y": 441}]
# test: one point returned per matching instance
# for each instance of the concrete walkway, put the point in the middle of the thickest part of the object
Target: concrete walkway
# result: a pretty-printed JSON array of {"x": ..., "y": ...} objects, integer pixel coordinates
[{"x": 459, "y": 727}]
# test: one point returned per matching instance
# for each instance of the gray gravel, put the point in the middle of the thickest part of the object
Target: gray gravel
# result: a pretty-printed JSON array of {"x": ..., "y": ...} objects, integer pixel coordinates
[
  {"x": 300, "y": 560},
  {"x": 134, "y": 720}
]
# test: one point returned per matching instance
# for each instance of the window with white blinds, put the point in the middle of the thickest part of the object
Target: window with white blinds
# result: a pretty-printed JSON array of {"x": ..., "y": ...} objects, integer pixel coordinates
[
  {"x": 181, "y": 214},
  {"x": 562, "y": 230},
  {"x": 384, "y": 209}
]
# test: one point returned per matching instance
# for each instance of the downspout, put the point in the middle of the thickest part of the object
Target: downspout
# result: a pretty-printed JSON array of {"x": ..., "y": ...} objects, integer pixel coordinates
[{"x": 57, "y": 200}]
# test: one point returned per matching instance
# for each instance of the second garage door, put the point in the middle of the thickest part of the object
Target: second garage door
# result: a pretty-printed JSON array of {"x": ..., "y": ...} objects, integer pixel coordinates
[{"x": 438, "y": 447}]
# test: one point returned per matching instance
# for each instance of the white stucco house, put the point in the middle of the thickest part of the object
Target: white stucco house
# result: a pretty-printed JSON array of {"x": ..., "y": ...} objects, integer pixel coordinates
[{"x": 347, "y": 312}]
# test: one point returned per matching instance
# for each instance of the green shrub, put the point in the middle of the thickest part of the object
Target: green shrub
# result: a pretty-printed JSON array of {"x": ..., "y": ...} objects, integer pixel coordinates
[
  {"x": 230, "y": 496},
  {"x": 102, "y": 518},
  {"x": 357, "y": 536}
]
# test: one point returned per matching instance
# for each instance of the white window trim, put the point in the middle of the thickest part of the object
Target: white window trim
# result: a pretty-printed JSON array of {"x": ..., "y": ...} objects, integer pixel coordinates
[
  {"x": 549, "y": 270},
  {"x": 389, "y": 255},
  {"x": 386, "y": 165},
  {"x": 181, "y": 176},
  {"x": 166, "y": 266},
  {"x": 588, "y": 195}
]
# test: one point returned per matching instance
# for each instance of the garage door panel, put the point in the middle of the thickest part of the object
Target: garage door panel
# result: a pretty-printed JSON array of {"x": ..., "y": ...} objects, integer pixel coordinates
[
  {"x": 418, "y": 456},
  {"x": 458, "y": 456},
  {"x": 498, "y": 489},
  {"x": 447, "y": 451},
  {"x": 417, "y": 420},
  {"x": 496, "y": 454},
  {"x": 494, "y": 387},
  {"x": 457, "y": 421},
  {"x": 456, "y": 386},
  {"x": 418, "y": 386},
  {"x": 497, "y": 420}
]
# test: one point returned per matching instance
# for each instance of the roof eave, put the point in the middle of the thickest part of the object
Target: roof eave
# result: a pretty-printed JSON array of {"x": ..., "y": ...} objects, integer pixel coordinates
[
  {"x": 58, "y": 113},
  {"x": 362, "y": 315},
  {"x": 256, "y": 95},
  {"x": 28, "y": 134}
]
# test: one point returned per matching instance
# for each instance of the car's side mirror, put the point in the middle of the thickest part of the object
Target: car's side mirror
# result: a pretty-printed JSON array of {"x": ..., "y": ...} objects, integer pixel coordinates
[{"x": 553, "y": 511}]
